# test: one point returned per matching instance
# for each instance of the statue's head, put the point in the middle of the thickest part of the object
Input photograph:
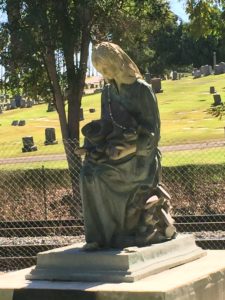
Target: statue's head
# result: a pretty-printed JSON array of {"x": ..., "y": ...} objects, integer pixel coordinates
[{"x": 113, "y": 63}]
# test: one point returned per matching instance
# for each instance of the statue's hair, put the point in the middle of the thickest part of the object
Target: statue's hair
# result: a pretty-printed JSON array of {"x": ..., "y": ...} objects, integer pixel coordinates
[{"x": 111, "y": 54}]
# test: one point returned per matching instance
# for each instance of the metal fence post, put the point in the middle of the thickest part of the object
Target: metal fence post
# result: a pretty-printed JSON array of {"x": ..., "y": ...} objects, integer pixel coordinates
[{"x": 43, "y": 183}]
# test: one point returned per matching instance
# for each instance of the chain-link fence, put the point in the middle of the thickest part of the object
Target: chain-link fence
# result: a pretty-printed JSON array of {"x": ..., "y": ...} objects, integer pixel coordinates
[{"x": 39, "y": 209}]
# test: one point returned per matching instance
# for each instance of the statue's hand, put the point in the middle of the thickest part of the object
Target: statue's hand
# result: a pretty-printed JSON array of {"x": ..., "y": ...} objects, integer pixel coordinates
[
  {"x": 112, "y": 151},
  {"x": 117, "y": 152},
  {"x": 80, "y": 151}
]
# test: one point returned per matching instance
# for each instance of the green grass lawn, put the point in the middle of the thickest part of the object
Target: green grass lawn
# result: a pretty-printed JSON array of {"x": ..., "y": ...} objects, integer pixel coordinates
[
  {"x": 194, "y": 157},
  {"x": 61, "y": 164},
  {"x": 182, "y": 105}
]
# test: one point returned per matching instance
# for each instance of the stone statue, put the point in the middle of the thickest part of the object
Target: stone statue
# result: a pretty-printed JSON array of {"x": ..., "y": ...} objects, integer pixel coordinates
[{"x": 124, "y": 203}]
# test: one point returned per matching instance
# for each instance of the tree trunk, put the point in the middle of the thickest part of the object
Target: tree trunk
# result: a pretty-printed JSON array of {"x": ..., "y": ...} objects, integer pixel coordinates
[
  {"x": 49, "y": 58},
  {"x": 70, "y": 143},
  {"x": 15, "y": 47}
]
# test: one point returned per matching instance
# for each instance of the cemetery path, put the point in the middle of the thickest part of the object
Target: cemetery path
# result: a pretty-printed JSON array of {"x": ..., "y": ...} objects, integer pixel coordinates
[
  {"x": 58, "y": 157},
  {"x": 204, "y": 145}
]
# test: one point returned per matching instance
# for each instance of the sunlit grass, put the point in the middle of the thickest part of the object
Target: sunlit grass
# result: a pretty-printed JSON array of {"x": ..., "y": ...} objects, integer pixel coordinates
[
  {"x": 182, "y": 105},
  {"x": 194, "y": 157},
  {"x": 60, "y": 164}
]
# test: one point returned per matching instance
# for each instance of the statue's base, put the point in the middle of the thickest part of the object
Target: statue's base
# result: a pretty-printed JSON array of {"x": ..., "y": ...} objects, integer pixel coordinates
[
  {"x": 200, "y": 279},
  {"x": 131, "y": 264}
]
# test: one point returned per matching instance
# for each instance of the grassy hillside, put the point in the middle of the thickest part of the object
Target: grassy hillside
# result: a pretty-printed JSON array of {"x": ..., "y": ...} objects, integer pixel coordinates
[{"x": 182, "y": 105}]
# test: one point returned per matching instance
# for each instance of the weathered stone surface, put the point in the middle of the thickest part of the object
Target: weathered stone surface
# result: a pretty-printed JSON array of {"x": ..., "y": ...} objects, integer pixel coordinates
[
  {"x": 120, "y": 169},
  {"x": 174, "y": 75},
  {"x": 196, "y": 73},
  {"x": 50, "y": 137},
  {"x": 217, "y": 99},
  {"x": 21, "y": 123},
  {"x": 212, "y": 90},
  {"x": 218, "y": 69},
  {"x": 201, "y": 279},
  {"x": 128, "y": 265},
  {"x": 156, "y": 85},
  {"x": 14, "y": 123},
  {"x": 28, "y": 144},
  {"x": 222, "y": 67},
  {"x": 51, "y": 107},
  {"x": 206, "y": 70}
]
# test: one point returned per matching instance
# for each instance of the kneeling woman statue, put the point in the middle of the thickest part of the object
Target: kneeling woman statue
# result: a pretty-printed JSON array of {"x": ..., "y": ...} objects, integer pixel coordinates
[{"x": 124, "y": 203}]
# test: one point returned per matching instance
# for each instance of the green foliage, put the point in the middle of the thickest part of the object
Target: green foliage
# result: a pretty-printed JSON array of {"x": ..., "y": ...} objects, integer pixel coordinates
[
  {"x": 207, "y": 17},
  {"x": 138, "y": 21}
]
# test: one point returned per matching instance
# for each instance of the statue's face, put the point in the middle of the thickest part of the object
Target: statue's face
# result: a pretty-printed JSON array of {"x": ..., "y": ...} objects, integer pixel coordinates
[{"x": 108, "y": 71}]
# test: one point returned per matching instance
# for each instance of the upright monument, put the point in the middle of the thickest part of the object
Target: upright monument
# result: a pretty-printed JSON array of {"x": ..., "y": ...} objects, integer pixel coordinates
[
  {"x": 124, "y": 203},
  {"x": 128, "y": 228}
]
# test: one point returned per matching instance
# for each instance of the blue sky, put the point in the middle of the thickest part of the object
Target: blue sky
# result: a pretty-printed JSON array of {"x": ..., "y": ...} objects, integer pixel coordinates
[{"x": 178, "y": 7}]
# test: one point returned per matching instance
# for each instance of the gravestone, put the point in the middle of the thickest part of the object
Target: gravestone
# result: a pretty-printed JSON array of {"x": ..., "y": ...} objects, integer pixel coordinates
[
  {"x": 51, "y": 107},
  {"x": 28, "y": 144},
  {"x": 29, "y": 103},
  {"x": 22, "y": 103},
  {"x": 22, "y": 123},
  {"x": 50, "y": 138},
  {"x": 196, "y": 73},
  {"x": 92, "y": 110},
  {"x": 17, "y": 100},
  {"x": 212, "y": 90},
  {"x": 13, "y": 104},
  {"x": 14, "y": 123},
  {"x": 222, "y": 66},
  {"x": 156, "y": 85},
  {"x": 81, "y": 114},
  {"x": 205, "y": 70},
  {"x": 202, "y": 70},
  {"x": 210, "y": 69},
  {"x": 174, "y": 75},
  {"x": 217, "y": 100},
  {"x": 7, "y": 106},
  {"x": 217, "y": 70}
]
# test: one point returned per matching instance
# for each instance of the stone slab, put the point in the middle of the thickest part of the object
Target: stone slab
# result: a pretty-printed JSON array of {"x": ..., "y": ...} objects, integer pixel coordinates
[
  {"x": 202, "y": 279},
  {"x": 71, "y": 263}
]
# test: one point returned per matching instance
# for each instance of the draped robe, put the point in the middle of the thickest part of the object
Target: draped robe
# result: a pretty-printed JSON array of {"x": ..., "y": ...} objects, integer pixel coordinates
[{"x": 110, "y": 188}]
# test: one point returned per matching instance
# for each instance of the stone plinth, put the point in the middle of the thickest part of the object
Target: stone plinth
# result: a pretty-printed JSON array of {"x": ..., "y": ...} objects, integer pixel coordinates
[
  {"x": 73, "y": 264},
  {"x": 202, "y": 279}
]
